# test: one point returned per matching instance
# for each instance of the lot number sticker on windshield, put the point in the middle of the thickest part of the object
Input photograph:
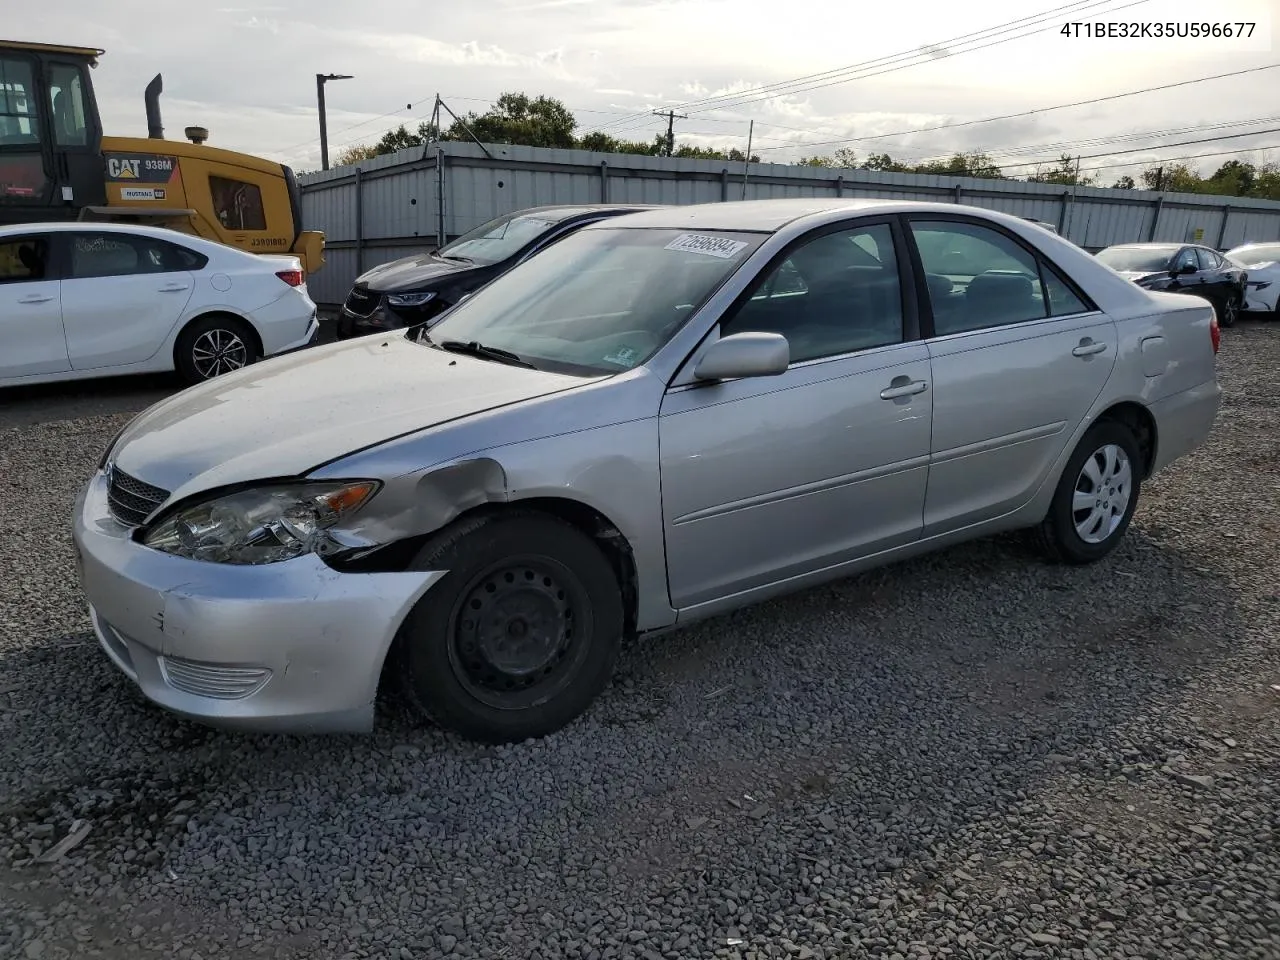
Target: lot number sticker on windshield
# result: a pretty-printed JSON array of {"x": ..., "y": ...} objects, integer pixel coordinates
[{"x": 721, "y": 247}]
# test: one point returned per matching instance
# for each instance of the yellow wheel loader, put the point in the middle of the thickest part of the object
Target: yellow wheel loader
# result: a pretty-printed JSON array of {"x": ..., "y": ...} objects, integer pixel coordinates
[{"x": 56, "y": 164}]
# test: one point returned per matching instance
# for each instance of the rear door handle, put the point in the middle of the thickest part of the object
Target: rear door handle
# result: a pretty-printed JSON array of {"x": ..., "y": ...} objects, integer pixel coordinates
[
  {"x": 905, "y": 390},
  {"x": 178, "y": 289},
  {"x": 1088, "y": 349},
  {"x": 34, "y": 299}
]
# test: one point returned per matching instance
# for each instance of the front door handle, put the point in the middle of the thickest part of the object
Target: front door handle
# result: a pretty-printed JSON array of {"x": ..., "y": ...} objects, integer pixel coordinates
[
  {"x": 35, "y": 299},
  {"x": 174, "y": 289},
  {"x": 904, "y": 390},
  {"x": 1088, "y": 348}
]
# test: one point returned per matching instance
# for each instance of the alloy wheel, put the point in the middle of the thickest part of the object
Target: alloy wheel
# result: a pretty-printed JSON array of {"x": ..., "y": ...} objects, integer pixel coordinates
[{"x": 218, "y": 351}]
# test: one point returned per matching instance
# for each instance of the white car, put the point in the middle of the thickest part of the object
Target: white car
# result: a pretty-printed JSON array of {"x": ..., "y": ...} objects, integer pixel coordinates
[
  {"x": 82, "y": 300},
  {"x": 1262, "y": 289}
]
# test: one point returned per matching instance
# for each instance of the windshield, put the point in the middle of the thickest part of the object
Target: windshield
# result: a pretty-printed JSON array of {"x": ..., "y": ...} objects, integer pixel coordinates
[
  {"x": 1255, "y": 256},
  {"x": 497, "y": 239},
  {"x": 1138, "y": 259},
  {"x": 600, "y": 301}
]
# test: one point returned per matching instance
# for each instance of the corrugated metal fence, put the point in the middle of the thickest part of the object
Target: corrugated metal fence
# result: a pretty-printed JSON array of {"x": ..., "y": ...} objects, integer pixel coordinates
[{"x": 419, "y": 198}]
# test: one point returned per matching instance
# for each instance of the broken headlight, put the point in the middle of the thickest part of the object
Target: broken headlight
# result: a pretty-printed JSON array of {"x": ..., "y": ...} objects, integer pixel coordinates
[{"x": 259, "y": 525}]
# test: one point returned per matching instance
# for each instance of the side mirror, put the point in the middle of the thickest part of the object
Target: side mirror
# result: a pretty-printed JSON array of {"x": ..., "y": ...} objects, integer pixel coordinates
[
  {"x": 1185, "y": 269},
  {"x": 745, "y": 355}
]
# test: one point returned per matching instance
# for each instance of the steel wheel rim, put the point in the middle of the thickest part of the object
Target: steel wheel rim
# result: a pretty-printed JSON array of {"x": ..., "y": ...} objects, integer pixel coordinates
[
  {"x": 1103, "y": 491},
  {"x": 218, "y": 351},
  {"x": 518, "y": 632}
]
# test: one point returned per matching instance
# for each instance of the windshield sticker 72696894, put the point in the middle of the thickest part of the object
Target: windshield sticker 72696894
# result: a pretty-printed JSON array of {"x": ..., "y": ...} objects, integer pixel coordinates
[{"x": 721, "y": 247}]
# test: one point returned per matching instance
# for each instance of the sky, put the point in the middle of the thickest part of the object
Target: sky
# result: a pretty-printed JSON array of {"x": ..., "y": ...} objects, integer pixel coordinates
[{"x": 247, "y": 72}]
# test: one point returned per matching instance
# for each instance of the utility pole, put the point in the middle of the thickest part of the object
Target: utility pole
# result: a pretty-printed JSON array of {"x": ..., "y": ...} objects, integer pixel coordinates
[
  {"x": 321, "y": 78},
  {"x": 671, "y": 116},
  {"x": 751, "y": 130}
]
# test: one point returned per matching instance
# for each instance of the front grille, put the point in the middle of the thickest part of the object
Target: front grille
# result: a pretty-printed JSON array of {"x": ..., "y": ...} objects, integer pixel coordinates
[
  {"x": 213, "y": 680},
  {"x": 361, "y": 302},
  {"x": 130, "y": 500}
]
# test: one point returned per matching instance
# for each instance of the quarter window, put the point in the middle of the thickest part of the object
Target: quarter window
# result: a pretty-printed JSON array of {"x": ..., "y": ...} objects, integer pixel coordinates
[
  {"x": 18, "y": 121},
  {"x": 835, "y": 294},
  {"x": 121, "y": 254},
  {"x": 1062, "y": 300},
  {"x": 979, "y": 278},
  {"x": 66, "y": 97},
  {"x": 26, "y": 258},
  {"x": 237, "y": 205}
]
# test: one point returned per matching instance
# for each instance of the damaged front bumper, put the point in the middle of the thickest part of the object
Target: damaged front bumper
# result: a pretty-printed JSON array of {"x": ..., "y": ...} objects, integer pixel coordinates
[{"x": 291, "y": 647}]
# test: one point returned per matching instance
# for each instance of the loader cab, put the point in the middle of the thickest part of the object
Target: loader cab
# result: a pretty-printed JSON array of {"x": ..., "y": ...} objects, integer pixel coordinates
[{"x": 50, "y": 132}]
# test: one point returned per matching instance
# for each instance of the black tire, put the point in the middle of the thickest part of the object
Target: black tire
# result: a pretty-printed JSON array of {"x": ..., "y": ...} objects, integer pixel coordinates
[
  {"x": 535, "y": 568},
  {"x": 190, "y": 352},
  {"x": 1057, "y": 535},
  {"x": 1229, "y": 311}
]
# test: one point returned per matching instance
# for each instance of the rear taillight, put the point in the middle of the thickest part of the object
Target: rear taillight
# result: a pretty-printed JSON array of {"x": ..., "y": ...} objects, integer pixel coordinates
[
  {"x": 294, "y": 278},
  {"x": 1215, "y": 332}
]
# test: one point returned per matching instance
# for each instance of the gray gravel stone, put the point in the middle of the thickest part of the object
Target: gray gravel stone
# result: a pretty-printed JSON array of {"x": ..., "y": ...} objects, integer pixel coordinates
[{"x": 974, "y": 754}]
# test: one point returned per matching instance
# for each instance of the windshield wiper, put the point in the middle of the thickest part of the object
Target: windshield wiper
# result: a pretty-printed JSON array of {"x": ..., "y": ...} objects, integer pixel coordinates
[
  {"x": 450, "y": 256},
  {"x": 477, "y": 349}
]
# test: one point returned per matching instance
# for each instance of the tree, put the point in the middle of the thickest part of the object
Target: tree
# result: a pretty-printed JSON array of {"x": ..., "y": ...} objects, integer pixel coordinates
[
  {"x": 1235, "y": 178},
  {"x": 884, "y": 164},
  {"x": 600, "y": 142},
  {"x": 976, "y": 164},
  {"x": 1066, "y": 172},
  {"x": 520, "y": 119},
  {"x": 1174, "y": 177},
  {"x": 1124, "y": 183},
  {"x": 844, "y": 159},
  {"x": 356, "y": 153},
  {"x": 712, "y": 153}
]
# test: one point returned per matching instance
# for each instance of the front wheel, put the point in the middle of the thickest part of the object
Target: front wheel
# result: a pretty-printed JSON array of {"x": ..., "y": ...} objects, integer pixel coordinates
[
  {"x": 1096, "y": 496},
  {"x": 521, "y": 634}
]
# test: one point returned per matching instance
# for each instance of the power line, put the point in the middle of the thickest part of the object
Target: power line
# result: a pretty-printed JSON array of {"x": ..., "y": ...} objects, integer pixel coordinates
[
  {"x": 865, "y": 65},
  {"x": 1029, "y": 113},
  {"x": 1194, "y": 156},
  {"x": 740, "y": 100},
  {"x": 1162, "y": 146},
  {"x": 1073, "y": 145}
]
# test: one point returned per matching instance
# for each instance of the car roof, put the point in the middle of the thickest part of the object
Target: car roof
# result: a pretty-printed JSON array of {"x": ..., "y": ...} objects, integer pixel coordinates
[
  {"x": 559, "y": 212},
  {"x": 204, "y": 245},
  {"x": 1149, "y": 246},
  {"x": 66, "y": 226}
]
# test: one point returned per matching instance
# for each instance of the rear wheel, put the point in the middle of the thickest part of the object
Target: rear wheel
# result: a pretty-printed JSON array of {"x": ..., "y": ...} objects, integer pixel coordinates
[
  {"x": 212, "y": 346},
  {"x": 1229, "y": 312},
  {"x": 520, "y": 635},
  {"x": 1096, "y": 496}
]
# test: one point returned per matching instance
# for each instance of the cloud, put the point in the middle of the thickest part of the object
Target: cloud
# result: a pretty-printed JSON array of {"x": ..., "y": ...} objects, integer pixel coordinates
[{"x": 609, "y": 58}]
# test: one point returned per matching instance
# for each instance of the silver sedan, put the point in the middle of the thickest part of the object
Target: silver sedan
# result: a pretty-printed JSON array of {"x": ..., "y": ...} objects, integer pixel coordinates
[{"x": 663, "y": 417}]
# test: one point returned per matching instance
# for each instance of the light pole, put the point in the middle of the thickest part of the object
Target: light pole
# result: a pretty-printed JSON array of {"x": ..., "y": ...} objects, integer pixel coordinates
[{"x": 324, "y": 123}]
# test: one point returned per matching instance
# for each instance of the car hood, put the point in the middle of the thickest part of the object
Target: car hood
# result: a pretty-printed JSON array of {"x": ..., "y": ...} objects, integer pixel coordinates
[
  {"x": 412, "y": 273},
  {"x": 287, "y": 416}
]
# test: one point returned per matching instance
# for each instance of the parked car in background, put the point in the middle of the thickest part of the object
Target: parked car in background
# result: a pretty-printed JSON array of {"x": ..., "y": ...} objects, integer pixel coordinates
[
  {"x": 413, "y": 290},
  {"x": 663, "y": 417},
  {"x": 84, "y": 300},
  {"x": 1262, "y": 261},
  {"x": 1182, "y": 268}
]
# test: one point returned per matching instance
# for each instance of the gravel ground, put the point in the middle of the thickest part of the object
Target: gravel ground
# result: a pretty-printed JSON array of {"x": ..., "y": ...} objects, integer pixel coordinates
[{"x": 966, "y": 756}]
